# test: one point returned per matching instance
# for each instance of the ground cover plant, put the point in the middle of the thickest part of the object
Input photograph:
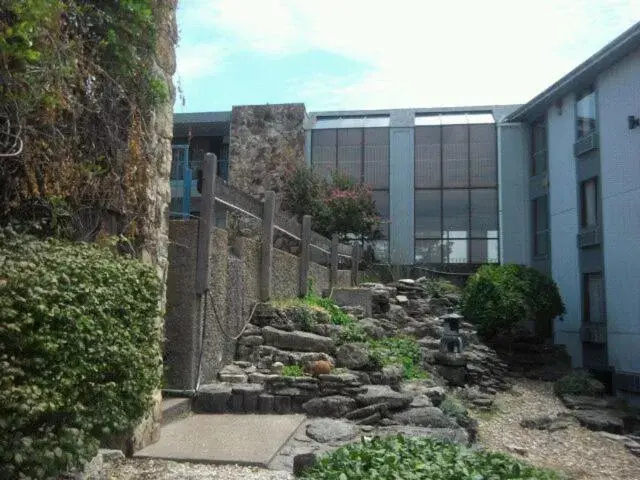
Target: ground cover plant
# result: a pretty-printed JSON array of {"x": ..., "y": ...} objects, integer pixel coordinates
[{"x": 419, "y": 458}]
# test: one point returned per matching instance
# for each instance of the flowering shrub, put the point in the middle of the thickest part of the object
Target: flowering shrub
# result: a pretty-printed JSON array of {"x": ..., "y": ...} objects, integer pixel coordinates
[{"x": 338, "y": 206}]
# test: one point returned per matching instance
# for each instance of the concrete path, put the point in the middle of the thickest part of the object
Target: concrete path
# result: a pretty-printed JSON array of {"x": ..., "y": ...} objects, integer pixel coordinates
[{"x": 232, "y": 439}]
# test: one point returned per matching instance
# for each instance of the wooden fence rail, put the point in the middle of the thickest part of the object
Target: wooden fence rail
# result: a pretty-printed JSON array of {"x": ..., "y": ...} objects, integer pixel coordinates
[{"x": 215, "y": 190}]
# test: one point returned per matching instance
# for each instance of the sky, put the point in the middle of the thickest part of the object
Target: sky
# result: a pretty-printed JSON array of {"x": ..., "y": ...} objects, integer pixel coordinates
[{"x": 354, "y": 54}]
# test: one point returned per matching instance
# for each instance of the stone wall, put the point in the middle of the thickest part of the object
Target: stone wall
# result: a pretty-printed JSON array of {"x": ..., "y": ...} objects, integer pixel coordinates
[
  {"x": 156, "y": 234},
  {"x": 266, "y": 141}
]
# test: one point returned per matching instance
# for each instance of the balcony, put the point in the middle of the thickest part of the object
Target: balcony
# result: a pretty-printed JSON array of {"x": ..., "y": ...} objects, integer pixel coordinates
[
  {"x": 589, "y": 237},
  {"x": 586, "y": 144}
]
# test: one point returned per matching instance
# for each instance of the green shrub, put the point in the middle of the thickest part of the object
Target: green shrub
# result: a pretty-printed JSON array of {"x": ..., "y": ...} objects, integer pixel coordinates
[
  {"x": 438, "y": 288},
  {"x": 399, "y": 350},
  {"x": 420, "y": 458},
  {"x": 79, "y": 351},
  {"x": 302, "y": 316},
  {"x": 453, "y": 407},
  {"x": 292, "y": 371},
  {"x": 578, "y": 383},
  {"x": 353, "y": 333},
  {"x": 338, "y": 317},
  {"x": 499, "y": 297}
]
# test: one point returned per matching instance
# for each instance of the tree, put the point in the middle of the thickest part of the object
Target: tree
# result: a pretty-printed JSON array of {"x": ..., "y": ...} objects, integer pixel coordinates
[{"x": 338, "y": 206}]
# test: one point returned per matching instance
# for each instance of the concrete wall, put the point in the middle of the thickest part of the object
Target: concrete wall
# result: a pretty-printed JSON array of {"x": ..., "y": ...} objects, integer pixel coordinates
[
  {"x": 513, "y": 178},
  {"x": 234, "y": 290},
  {"x": 401, "y": 196},
  {"x": 563, "y": 210},
  {"x": 618, "y": 93}
]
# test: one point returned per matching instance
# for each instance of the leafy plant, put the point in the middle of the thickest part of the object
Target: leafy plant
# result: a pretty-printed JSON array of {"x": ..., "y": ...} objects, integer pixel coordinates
[
  {"x": 420, "y": 458},
  {"x": 398, "y": 350},
  {"x": 499, "y": 297},
  {"x": 578, "y": 383},
  {"x": 292, "y": 371},
  {"x": 338, "y": 317},
  {"x": 79, "y": 351},
  {"x": 339, "y": 206},
  {"x": 353, "y": 333},
  {"x": 302, "y": 316}
]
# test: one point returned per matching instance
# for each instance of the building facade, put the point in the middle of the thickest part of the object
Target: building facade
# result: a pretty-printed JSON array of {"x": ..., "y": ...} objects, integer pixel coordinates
[
  {"x": 553, "y": 183},
  {"x": 574, "y": 151}
]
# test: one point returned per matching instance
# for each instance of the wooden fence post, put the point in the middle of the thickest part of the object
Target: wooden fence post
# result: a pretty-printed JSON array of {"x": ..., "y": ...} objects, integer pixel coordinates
[
  {"x": 267, "y": 245},
  {"x": 305, "y": 251},
  {"x": 205, "y": 223},
  {"x": 333, "y": 272},
  {"x": 355, "y": 264}
]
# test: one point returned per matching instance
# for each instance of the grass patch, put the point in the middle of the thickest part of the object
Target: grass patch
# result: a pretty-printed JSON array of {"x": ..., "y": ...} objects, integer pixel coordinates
[
  {"x": 292, "y": 371},
  {"x": 420, "y": 458},
  {"x": 398, "y": 350}
]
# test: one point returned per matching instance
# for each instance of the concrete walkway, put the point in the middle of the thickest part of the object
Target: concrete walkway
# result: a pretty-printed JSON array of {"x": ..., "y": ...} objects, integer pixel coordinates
[{"x": 232, "y": 439}]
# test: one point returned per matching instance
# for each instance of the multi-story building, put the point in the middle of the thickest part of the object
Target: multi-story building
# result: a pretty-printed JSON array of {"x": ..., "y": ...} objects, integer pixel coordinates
[{"x": 553, "y": 183}]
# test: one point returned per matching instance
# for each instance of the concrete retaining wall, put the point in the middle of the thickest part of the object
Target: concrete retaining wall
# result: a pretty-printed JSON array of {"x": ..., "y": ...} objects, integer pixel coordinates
[{"x": 234, "y": 286}]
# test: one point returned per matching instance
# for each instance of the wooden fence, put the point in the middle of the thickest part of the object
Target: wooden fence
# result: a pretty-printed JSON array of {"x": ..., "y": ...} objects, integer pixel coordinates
[{"x": 217, "y": 191}]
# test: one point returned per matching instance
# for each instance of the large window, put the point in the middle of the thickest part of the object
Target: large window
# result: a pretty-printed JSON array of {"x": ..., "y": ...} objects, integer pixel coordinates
[
  {"x": 540, "y": 226},
  {"x": 589, "y": 203},
  {"x": 360, "y": 153},
  {"x": 538, "y": 147},
  {"x": 586, "y": 113},
  {"x": 456, "y": 197}
]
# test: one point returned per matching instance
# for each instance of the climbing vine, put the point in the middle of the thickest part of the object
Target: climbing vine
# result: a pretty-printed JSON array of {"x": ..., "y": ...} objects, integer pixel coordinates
[{"x": 77, "y": 80}]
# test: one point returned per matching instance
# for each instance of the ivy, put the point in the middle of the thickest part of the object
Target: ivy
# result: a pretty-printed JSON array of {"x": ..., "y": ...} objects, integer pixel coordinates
[{"x": 79, "y": 351}]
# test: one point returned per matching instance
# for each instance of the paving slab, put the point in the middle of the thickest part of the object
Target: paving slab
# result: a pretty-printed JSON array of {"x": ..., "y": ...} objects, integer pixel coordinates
[{"x": 224, "y": 439}]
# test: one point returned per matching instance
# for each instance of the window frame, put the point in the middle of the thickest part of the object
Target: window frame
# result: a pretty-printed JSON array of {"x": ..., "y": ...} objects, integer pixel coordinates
[
  {"x": 584, "y": 225},
  {"x": 533, "y": 171},
  {"x": 581, "y": 95}
]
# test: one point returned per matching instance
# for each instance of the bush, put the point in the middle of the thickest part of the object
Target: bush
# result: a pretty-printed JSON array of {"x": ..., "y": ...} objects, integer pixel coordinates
[
  {"x": 499, "y": 297},
  {"x": 420, "y": 458},
  {"x": 79, "y": 351},
  {"x": 578, "y": 383},
  {"x": 338, "y": 206}
]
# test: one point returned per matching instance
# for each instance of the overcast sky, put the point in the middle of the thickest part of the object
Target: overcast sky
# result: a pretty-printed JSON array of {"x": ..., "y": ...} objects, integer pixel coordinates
[{"x": 353, "y": 54}]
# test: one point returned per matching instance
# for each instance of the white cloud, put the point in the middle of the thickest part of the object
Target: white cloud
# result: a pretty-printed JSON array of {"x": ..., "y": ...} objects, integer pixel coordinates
[
  {"x": 421, "y": 53},
  {"x": 199, "y": 60}
]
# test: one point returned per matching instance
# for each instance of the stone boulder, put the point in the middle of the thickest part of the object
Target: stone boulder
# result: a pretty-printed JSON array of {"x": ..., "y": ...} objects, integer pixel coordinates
[
  {"x": 373, "y": 328},
  {"x": 454, "y": 435},
  {"x": 431, "y": 417},
  {"x": 232, "y": 374},
  {"x": 333, "y": 406},
  {"x": 266, "y": 315},
  {"x": 297, "y": 340},
  {"x": 326, "y": 430},
  {"x": 600, "y": 420},
  {"x": 383, "y": 394},
  {"x": 352, "y": 355},
  {"x": 398, "y": 316}
]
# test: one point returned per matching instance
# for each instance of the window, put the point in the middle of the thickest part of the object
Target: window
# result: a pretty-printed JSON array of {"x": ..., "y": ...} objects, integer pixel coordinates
[
  {"x": 589, "y": 203},
  {"x": 538, "y": 147},
  {"x": 593, "y": 298},
  {"x": 350, "y": 150},
  {"x": 456, "y": 196},
  {"x": 540, "y": 226},
  {"x": 586, "y": 113},
  {"x": 376, "y": 157}
]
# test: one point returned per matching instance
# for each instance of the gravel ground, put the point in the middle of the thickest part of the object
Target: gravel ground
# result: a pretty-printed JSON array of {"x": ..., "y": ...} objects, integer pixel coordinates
[
  {"x": 581, "y": 453},
  {"x": 132, "y": 469}
]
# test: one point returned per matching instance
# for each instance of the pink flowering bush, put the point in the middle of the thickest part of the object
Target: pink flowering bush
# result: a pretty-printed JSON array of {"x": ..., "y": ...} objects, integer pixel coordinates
[{"x": 338, "y": 206}]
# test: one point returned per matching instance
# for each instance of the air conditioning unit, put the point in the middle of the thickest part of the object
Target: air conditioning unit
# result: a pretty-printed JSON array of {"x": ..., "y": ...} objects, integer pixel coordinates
[
  {"x": 593, "y": 333},
  {"x": 589, "y": 238}
]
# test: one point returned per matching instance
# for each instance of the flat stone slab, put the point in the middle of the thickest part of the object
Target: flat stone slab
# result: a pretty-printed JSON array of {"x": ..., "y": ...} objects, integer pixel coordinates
[{"x": 224, "y": 439}]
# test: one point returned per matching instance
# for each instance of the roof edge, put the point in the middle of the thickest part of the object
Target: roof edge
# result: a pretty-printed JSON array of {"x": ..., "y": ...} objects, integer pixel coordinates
[{"x": 598, "y": 62}]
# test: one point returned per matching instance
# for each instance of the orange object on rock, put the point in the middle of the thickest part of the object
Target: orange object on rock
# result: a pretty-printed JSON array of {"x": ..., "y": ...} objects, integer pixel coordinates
[{"x": 321, "y": 367}]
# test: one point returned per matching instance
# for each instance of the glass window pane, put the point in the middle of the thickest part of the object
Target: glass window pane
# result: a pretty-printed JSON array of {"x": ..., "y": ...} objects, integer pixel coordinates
[
  {"x": 427, "y": 157},
  {"x": 478, "y": 118},
  {"x": 350, "y": 152},
  {"x": 541, "y": 214},
  {"x": 428, "y": 251},
  {"x": 456, "y": 250},
  {"x": 381, "y": 199},
  {"x": 484, "y": 251},
  {"x": 380, "y": 250},
  {"x": 455, "y": 155},
  {"x": 455, "y": 213},
  {"x": 483, "y": 157},
  {"x": 427, "y": 216},
  {"x": 454, "y": 119},
  {"x": 589, "y": 203},
  {"x": 595, "y": 298},
  {"x": 484, "y": 213},
  {"x": 323, "y": 151},
  {"x": 376, "y": 157},
  {"x": 586, "y": 113},
  {"x": 541, "y": 244},
  {"x": 376, "y": 121},
  {"x": 427, "y": 119}
]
